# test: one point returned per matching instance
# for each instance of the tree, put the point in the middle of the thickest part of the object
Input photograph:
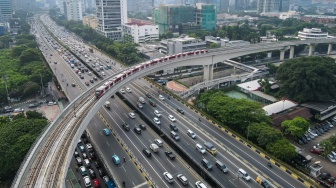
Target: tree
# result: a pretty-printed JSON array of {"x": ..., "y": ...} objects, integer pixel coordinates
[
  {"x": 282, "y": 149},
  {"x": 296, "y": 127},
  {"x": 263, "y": 134},
  {"x": 308, "y": 79},
  {"x": 17, "y": 50},
  {"x": 29, "y": 55}
]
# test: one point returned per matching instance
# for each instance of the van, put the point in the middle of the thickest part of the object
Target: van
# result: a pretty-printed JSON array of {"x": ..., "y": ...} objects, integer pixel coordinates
[
  {"x": 174, "y": 135},
  {"x": 200, "y": 148},
  {"x": 221, "y": 167},
  {"x": 262, "y": 182},
  {"x": 154, "y": 148},
  {"x": 191, "y": 134},
  {"x": 206, "y": 164},
  {"x": 210, "y": 148},
  {"x": 244, "y": 174}
]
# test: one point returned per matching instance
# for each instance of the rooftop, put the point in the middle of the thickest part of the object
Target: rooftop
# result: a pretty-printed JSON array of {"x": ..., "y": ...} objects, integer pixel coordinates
[
  {"x": 265, "y": 96},
  {"x": 250, "y": 86},
  {"x": 279, "y": 107},
  {"x": 319, "y": 106}
]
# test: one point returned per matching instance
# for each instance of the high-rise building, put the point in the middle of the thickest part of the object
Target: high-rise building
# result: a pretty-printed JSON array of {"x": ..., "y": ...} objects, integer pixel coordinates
[
  {"x": 73, "y": 10},
  {"x": 206, "y": 16},
  {"x": 268, "y": 6},
  {"x": 140, "y": 5},
  {"x": 5, "y": 10},
  {"x": 111, "y": 15},
  {"x": 27, "y": 5}
]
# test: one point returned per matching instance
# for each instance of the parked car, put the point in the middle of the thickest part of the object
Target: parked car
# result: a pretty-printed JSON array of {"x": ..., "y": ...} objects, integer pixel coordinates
[{"x": 331, "y": 158}]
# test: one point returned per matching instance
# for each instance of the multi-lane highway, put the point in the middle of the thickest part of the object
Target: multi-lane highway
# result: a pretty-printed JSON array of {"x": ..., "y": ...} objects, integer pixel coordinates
[{"x": 231, "y": 152}]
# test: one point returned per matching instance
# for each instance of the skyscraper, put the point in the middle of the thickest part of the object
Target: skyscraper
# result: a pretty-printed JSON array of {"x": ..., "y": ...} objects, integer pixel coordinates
[
  {"x": 73, "y": 10},
  {"x": 267, "y": 6},
  {"x": 111, "y": 14},
  {"x": 5, "y": 10}
]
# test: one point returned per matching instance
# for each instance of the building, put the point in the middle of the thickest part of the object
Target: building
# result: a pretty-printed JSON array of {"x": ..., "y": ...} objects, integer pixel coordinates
[
  {"x": 322, "y": 19},
  {"x": 90, "y": 20},
  {"x": 206, "y": 16},
  {"x": 111, "y": 15},
  {"x": 269, "y": 6},
  {"x": 139, "y": 5},
  {"x": 180, "y": 45},
  {"x": 138, "y": 31},
  {"x": 27, "y": 5},
  {"x": 321, "y": 110},
  {"x": 279, "y": 107},
  {"x": 313, "y": 33},
  {"x": 290, "y": 14},
  {"x": 73, "y": 10},
  {"x": 5, "y": 10},
  {"x": 169, "y": 17},
  {"x": 225, "y": 42},
  {"x": 251, "y": 88}
]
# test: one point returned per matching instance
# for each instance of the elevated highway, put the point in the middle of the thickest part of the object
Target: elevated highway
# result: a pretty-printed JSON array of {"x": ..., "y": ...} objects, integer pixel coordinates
[{"x": 47, "y": 162}]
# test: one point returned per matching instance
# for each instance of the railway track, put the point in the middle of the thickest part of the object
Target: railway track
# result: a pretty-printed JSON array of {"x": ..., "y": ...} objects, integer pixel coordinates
[{"x": 45, "y": 171}]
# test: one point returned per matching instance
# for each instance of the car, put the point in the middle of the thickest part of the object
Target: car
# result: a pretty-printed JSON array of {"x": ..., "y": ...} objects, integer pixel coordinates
[
  {"x": 95, "y": 78},
  {"x": 200, "y": 148},
  {"x": 167, "y": 176},
  {"x": 82, "y": 170},
  {"x": 151, "y": 102},
  {"x": 173, "y": 127},
  {"x": 157, "y": 113},
  {"x": 81, "y": 76},
  {"x": 96, "y": 183},
  {"x": 91, "y": 173},
  {"x": 87, "y": 181},
  {"x": 76, "y": 153},
  {"x": 129, "y": 90},
  {"x": 81, "y": 148},
  {"x": 86, "y": 162},
  {"x": 91, "y": 80},
  {"x": 156, "y": 121},
  {"x": 170, "y": 154},
  {"x": 122, "y": 91},
  {"x": 131, "y": 115},
  {"x": 89, "y": 147},
  {"x": 331, "y": 158},
  {"x": 106, "y": 131},
  {"x": 126, "y": 126},
  {"x": 137, "y": 130},
  {"x": 206, "y": 164},
  {"x": 200, "y": 184},
  {"x": 182, "y": 179},
  {"x": 17, "y": 110},
  {"x": 180, "y": 110},
  {"x": 191, "y": 134},
  {"x": 315, "y": 150},
  {"x": 148, "y": 95},
  {"x": 171, "y": 118},
  {"x": 79, "y": 160},
  {"x": 158, "y": 142},
  {"x": 84, "y": 155},
  {"x": 142, "y": 126},
  {"x": 221, "y": 167},
  {"x": 106, "y": 179},
  {"x": 147, "y": 152},
  {"x": 161, "y": 97},
  {"x": 101, "y": 172},
  {"x": 73, "y": 85},
  {"x": 92, "y": 155},
  {"x": 139, "y": 105},
  {"x": 103, "y": 73},
  {"x": 96, "y": 164},
  {"x": 116, "y": 159}
]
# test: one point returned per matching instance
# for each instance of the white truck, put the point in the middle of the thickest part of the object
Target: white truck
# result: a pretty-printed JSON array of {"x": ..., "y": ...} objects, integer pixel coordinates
[
  {"x": 142, "y": 100},
  {"x": 154, "y": 148},
  {"x": 107, "y": 104}
]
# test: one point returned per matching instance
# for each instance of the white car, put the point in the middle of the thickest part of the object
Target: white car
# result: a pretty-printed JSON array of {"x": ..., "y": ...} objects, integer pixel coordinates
[
  {"x": 331, "y": 158},
  {"x": 18, "y": 110},
  {"x": 200, "y": 184},
  {"x": 161, "y": 97},
  {"x": 158, "y": 142},
  {"x": 122, "y": 91},
  {"x": 167, "y": 176},
  {"x": 129, "y": 90},
  {"x": 131, "y": 115},
  {"x": 171, "y": 118},
  {"x": 89, "y": 147},
  {"x": 156, "y": 121},
  {"x": 157, "y": 113},
  {"x": 87, "y": 181}
]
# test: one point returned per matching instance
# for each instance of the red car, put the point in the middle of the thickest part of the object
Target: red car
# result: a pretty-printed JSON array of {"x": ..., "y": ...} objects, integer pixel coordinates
[
  {"x": 96, "y": 183},
  {"x": 315, "y": 150}
]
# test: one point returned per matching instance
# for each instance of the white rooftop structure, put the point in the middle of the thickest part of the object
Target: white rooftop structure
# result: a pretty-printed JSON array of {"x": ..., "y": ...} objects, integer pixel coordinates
[
  {"x": 279, "y": 107},
  {"x": 249, "y": 86},
  {"x": 313, "y": 33}
]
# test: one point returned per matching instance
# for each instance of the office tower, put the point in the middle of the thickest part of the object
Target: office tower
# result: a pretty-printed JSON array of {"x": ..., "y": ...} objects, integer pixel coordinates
[
  {"x": 111, "y": 14},
  {"x": 73, "y": 10},
  {"x": 268, "y": 6},
  {"x": 206, "y": 16},
  {"x": 5, "y": 10}
]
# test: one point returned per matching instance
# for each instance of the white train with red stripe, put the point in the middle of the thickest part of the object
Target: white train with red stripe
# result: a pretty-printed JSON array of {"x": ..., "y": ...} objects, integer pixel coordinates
[{"x": 101, "y": 90}]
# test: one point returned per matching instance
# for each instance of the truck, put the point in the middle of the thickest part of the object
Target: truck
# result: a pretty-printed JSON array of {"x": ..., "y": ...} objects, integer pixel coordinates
[
  {"x": 210, "y": 148},
  {"x": 107, "y": 104},
  {"x": 142, "y": 100},
  {"x": 154, "y": 148},
  {"x": 91, "y": 50}
]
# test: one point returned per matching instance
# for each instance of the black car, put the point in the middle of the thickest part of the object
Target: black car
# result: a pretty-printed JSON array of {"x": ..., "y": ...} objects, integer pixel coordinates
[
  {"x": 96, "y": 164},
  {"x": 142, "y": 126},
  {"x": 137, "y": 130},
  {"x": 147, "y": 152},
  {"x": 180, "y": 110},
  {"x": 126, "y": 126},
  {"x": 91, "y": 173},
  {"x": 101, "y": 172},
  {"x": 173, "y": 127},
  {"x": 92, "y": 155},
  {"x": 170, "y": 155},
  {"x": 148, "y": 95}
]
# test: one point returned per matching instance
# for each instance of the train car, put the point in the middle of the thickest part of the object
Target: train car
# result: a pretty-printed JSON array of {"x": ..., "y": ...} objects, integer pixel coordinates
[{"x": 100, "y": 91}]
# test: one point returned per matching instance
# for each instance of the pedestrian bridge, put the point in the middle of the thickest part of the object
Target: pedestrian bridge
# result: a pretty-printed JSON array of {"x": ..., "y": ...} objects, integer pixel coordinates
[{"x": 47, "y": 161}]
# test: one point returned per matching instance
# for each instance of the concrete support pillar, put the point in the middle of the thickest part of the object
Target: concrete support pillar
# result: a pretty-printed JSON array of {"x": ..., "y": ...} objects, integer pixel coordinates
[
  {"x": 291, "y": 52},
  {"x": 211, "y": 72},
  {"x": 282, "y": 55},
  {"x": 311, "y": 49},
  {"x": 205, "y": 72},
  {"x": 329, "y": 48}
]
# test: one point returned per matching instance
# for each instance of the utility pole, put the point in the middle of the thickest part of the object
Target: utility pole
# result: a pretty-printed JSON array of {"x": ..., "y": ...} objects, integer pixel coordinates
[
  {"x": 42, "y": 94},
  {"x": 5, "y": 80}
]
